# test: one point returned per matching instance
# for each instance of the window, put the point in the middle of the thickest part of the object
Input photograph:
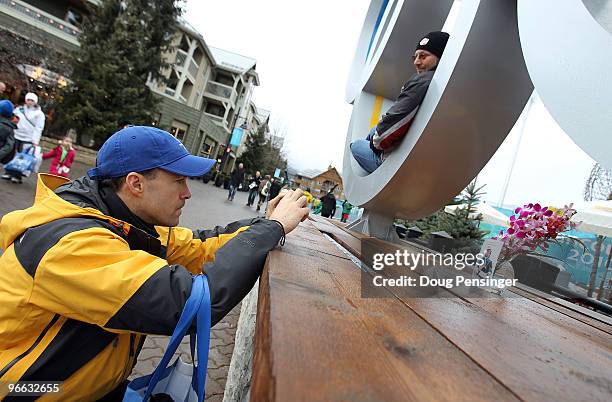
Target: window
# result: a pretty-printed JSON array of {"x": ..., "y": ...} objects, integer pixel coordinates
[
  {"x": 208, "y": 147},
  {"x": 184, "y": 46},
  {"x": 198, "y": 55},
  {"x": 225, "y": 79},
  {"x": 172, "y": 83},
  {"x": 186, "y": 91},
  {"x": 215, "y": 108},
  {"x": 179, "y": 130},
  {"x": 230, "y": 116},
  {"x": 156, "y": 119}
]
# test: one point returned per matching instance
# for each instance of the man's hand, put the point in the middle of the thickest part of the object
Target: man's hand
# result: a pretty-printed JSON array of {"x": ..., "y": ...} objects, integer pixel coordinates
[
  {"x": 289, "y": 208},
  {"x": 274, "y": 202}
]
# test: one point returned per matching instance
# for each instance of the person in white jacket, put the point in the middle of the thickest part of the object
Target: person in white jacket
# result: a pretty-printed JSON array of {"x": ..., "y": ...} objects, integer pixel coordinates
[{"x": 29, "y": 130}]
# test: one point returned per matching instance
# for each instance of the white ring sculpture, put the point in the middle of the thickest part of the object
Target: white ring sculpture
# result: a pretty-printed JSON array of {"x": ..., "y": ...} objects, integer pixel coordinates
[
  {"x": 569, "y": 57},
  {"x": 478, "y": 92}
]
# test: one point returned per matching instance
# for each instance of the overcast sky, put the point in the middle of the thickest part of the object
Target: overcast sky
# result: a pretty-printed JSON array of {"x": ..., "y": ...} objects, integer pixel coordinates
[{"x": 304, "y": 51}]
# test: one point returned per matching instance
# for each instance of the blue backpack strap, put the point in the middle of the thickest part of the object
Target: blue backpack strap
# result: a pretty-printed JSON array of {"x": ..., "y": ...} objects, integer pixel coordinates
[
  {"x": 190, "y": 311},
  {"x": 203, "y": 339}
]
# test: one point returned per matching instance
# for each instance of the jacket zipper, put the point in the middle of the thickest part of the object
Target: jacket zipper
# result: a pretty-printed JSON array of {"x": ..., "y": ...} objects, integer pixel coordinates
[{"x": 24, "y": 354}]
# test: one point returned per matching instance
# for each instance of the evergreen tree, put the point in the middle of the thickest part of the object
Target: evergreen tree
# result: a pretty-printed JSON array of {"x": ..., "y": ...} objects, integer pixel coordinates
[
  {"x": 462, "y": 225},
  {"x": 254, "y": 156},
  {"x": 263, "y": 155},
  {"x": 122, "y": 46}
]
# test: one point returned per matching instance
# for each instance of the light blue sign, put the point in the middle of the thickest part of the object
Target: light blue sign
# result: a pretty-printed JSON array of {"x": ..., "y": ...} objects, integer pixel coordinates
[
  {"x": 277, "y": 172},
  {"x": 236, "y": 137}
]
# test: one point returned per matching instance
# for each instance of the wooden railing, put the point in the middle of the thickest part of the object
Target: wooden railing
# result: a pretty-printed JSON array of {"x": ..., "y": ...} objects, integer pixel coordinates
[{"x": 318, "y": 339}]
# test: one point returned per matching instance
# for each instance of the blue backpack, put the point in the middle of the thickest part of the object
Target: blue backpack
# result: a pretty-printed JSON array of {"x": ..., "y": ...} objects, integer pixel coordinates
[{"x": 181, "y": 382}]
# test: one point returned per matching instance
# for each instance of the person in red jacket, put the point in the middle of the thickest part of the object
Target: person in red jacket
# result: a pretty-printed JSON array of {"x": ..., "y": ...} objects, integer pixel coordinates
[{"x": 63, "y": 156}]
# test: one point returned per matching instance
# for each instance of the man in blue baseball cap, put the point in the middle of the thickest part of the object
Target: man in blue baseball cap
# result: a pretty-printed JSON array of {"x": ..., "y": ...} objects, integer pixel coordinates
[
  {"x": 96, "y": 264},
  {"x": 7, "y": 131}
]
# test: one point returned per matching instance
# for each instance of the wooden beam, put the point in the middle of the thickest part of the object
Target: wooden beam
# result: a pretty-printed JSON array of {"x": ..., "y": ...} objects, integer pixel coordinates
[{"x": 318, "y": 339}]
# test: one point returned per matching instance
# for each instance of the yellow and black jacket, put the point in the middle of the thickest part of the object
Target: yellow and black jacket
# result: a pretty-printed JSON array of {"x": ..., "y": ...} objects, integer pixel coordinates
[{"x": 84, "y": 280}]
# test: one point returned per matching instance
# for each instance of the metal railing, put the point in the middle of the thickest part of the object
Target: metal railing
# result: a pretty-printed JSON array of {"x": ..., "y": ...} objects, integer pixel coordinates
[
  {"x": 214, "y": 117},
  {"x": 24, "y": 9},
  {"x": 193, "y": 68},
  {"x": 181, "y": 57},
  {"x": 220, "y": 90}
]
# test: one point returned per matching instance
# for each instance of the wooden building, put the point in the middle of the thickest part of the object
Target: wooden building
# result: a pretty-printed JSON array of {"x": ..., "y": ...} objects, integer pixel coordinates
[{"x": 320, "y": 184}]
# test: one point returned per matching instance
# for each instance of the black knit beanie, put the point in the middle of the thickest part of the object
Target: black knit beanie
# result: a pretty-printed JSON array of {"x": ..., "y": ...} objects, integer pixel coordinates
[{"x": 434, "y": 42}]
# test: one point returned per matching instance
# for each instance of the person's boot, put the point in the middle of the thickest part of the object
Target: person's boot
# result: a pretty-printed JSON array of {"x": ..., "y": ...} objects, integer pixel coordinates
[
  {"x": 16, "y": 180},
  {"x": 6, "y": 176}
]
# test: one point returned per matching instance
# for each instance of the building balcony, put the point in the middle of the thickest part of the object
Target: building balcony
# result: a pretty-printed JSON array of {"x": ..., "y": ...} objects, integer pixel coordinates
[
  {"x": 181, "y": 58},
  {"x": 221, "y": 92},
  {"x": 182, "y": 63},
  {"x": 21, "y": 17},
  {"x": 218, "y": 120}
]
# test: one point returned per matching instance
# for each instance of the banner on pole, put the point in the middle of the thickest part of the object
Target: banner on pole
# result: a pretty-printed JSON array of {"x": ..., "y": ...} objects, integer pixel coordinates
[{"x": 236, "y": 137}]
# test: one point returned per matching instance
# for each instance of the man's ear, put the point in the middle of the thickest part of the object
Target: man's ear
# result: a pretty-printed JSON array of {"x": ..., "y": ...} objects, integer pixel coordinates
[{"x": 134, "y": 184}]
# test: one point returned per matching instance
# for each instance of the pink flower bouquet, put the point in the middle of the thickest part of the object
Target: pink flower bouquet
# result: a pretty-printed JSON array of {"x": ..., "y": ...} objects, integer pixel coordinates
[{"x": 533, "y": 227}]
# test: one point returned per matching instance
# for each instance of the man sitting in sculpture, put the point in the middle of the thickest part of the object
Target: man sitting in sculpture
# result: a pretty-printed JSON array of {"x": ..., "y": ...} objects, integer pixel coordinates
[{"x": 393, "y": 125}]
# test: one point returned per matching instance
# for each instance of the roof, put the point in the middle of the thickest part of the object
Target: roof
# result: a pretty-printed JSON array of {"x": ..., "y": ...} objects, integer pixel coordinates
[
  {"x": 333, "y": 171},
  {"x": 186, "y": 27},
  {"x": 309, "y": 173},
  {"x": 262, "y": 114},
  {"x": 235, "y": 62}
]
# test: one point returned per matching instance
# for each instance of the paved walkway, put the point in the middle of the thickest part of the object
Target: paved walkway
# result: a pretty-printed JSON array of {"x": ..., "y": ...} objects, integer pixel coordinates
[{"x": 207, "y": 208}]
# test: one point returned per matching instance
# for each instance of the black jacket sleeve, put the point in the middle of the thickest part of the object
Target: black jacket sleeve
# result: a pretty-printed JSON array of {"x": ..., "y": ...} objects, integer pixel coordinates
[
  {"x": 412, "y": 94},
  {"x": 7, "y": 140},
  {"x": 218, "y": 230},
  {"x": 157, "y": 305},
  {"x": 238, "y": 264}
]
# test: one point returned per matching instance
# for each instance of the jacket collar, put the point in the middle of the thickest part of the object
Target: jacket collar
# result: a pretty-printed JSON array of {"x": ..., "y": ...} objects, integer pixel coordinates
[
  {"x": 118, "y": 209},
  {"x": 84, "y": 192},
  {"x": 7, "y": 122}
]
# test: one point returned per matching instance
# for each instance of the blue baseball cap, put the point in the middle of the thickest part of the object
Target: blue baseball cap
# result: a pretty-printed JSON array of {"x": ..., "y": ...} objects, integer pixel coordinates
[
  {"x": 6, "y": 108},
  {"x": 140, "y": 148}
]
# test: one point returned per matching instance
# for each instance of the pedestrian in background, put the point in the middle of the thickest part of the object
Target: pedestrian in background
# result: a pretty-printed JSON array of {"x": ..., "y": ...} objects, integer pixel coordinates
[
  {"x": 63, "y": 156},
  {"x": 329, "y": 205},
  {"x": 316, "y": 206},
  {"x": 235, "y": 181},
  {"x": 264, "y": 191},
  {"x": 28, "y": 132},
  {"x": 7, "y": 134},
  {"x": 346, "y": 210},
  {"x": 254, "y": 188},
  {"x": 275, "y": 187}
]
